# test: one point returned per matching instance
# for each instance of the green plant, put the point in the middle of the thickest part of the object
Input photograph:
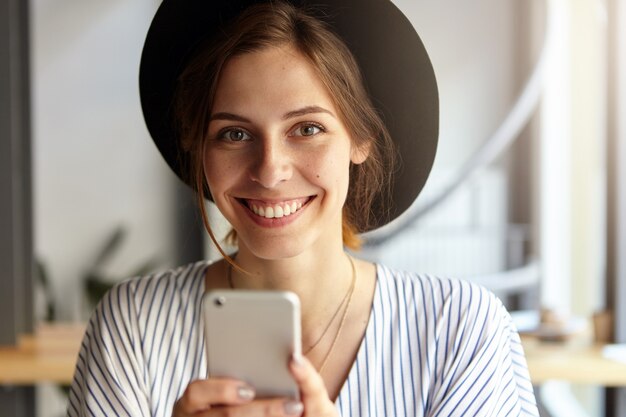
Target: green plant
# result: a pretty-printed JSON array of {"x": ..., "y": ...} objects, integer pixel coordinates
[{"x": 97, "y": 282}]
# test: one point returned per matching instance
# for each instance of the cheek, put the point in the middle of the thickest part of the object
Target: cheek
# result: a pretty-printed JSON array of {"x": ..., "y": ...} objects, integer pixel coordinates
[
  {"x": 209, "y": 169},
  {"x": 217, "y": 171},
  {"x": 330, "y": 170}
]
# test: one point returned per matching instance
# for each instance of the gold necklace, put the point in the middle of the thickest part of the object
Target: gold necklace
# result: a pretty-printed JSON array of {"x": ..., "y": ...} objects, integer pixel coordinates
[
  {"x": 332, "y": 319},
  {"x": 343, "y": 316},
  {"x": 230, "y": 276}
]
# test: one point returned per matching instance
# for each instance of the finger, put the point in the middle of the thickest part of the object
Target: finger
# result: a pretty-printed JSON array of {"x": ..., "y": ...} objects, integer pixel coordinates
[
  {"x": 202, "y": 394},
  {"x": 312, "y": 388},
  {"x": 277, "y": 407},
  {"x": 307, "y": 377}
]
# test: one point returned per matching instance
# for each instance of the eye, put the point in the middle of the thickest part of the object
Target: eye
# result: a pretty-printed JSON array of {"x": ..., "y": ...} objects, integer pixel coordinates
[
  {"x": 308, "y": 129},
  {"x": 234, "y": 135}
]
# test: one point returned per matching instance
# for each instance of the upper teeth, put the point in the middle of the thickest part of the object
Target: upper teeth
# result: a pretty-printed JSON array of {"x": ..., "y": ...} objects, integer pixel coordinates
[{"x": 276, "y": 211}]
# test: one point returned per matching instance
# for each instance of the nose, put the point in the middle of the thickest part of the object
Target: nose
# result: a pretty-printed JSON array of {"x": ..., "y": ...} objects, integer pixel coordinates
[{"x": 272, "y": 164}]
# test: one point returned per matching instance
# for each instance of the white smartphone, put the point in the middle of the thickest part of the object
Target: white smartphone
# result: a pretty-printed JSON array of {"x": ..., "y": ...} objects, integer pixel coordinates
[{"x": 251, "y": 336}]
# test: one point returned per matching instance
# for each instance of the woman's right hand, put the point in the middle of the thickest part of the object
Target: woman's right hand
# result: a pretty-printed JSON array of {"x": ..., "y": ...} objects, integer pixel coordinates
[{"x": 232, "y": 398}]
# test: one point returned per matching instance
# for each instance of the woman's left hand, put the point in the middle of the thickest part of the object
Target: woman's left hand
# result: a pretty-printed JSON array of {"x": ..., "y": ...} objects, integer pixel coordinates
[{"x": 314, "y": 395}]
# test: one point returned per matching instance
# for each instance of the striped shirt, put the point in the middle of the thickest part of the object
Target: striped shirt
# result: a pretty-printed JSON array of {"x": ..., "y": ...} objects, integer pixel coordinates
[{"x": 432, "y": 347}]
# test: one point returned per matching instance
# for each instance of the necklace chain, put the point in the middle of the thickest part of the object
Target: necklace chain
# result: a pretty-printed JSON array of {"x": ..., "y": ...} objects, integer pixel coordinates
[
  {"x": 348, "y": 296},
  {"x": 230, "y": 276},
  {"x": 332, "y": 319},
  {"x": 343, "y": 317}
]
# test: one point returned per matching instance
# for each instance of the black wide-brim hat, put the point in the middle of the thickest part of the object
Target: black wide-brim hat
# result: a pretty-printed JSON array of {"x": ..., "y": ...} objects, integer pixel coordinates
[{"x": 396, "y": 69}]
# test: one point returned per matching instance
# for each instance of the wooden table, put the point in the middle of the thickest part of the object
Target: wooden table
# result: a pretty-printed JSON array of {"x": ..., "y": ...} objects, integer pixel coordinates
[
  {"x": 50, "y": 356},
  {"x": 47, "y": 356},
  {"x": 581, "y": 363}
]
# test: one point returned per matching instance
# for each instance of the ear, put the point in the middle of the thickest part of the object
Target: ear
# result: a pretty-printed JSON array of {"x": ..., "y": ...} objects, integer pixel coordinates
[{"x": 359, "y": 154}]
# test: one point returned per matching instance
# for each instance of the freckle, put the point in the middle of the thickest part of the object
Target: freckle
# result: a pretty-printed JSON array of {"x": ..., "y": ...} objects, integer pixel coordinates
[{"x": 318, "y": 175}]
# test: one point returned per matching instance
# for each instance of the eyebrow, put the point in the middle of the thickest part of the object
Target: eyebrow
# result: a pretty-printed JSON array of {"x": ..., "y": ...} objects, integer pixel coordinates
[
  {"x": 228, "y": 116},
  {"x": 289, "y": 115},
  {"x": 306, "y": 110}
]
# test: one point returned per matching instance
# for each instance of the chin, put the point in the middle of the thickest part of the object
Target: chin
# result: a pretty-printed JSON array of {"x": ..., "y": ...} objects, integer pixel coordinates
[{"x": 273, "y": 249}]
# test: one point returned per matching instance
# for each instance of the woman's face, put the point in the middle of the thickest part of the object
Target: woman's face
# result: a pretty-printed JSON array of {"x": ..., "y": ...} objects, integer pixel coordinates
[{"x": 277, "y": 156}]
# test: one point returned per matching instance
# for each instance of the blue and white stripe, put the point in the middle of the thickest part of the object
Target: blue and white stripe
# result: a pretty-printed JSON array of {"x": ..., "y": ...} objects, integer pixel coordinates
[
  {"x": 437, "y": 347},
  {"x": 433, "y": 347}
]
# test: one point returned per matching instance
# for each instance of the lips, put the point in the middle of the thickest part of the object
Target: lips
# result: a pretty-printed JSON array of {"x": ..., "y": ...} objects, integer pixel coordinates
[{"x": 275, "y": 209}]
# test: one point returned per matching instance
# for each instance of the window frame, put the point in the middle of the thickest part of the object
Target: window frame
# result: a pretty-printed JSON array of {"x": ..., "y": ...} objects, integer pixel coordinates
[
  {"x": 16, "y": 230},
  {"x": 616, "y": 187}
]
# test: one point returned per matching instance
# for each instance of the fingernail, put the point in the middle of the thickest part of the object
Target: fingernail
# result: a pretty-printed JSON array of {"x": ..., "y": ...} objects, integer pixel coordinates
[
  {"x": 245, "y": 393},
  {"x": 297, "y": 359},
  {"x": 293, "y": 407}
]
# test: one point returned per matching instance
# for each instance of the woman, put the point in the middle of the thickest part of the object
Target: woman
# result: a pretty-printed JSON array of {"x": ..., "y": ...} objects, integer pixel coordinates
[{"x": 271, "y": 120}]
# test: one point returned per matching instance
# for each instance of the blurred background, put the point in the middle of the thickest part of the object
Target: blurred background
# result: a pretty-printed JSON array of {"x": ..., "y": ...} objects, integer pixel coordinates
[{"x": 526, "y": 195}]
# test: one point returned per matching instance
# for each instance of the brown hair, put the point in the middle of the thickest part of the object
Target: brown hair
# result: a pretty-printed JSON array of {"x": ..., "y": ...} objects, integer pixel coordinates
[{"x": 278, "y": 23}]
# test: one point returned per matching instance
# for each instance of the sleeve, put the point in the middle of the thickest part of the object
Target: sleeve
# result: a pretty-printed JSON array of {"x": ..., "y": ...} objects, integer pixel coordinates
[
  {"x": 109, "y": 377},
  {"x": 485, "y": 371}
]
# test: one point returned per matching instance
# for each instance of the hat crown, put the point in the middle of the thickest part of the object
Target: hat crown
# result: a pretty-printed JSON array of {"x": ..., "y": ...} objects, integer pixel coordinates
[{"x": 396, "y": 69}]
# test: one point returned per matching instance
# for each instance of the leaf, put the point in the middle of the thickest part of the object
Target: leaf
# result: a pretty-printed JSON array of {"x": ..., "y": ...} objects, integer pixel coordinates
[
  {"x": 43, "y": 278},
  {"x": 96, "y": 287},
  {"x": 110, "y": 247}
]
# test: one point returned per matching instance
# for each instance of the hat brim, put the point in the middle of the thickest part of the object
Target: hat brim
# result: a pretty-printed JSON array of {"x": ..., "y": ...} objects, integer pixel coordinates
[{"x": 396, "y": 68}]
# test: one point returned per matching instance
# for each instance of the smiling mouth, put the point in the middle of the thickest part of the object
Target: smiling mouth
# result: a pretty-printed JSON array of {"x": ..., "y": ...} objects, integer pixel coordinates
[{"x": 275, "y": 210}]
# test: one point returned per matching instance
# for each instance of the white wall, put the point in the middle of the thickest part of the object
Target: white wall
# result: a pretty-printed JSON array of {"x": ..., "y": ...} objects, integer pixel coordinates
[
  {"x": 473, "y": 46},
  {"x": 95, "y": 166}
]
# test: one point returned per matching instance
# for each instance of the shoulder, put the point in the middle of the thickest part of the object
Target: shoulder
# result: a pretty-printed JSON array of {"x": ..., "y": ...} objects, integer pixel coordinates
[
  {"x": 183, "y": 282},
  {"x": 438, "y": 292},
  {"x": 180, "y": 278},
  {"x": 444, "y": 308},
  {"x": 117, "y": 367},
  {"x": 466, "y": 339}
]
